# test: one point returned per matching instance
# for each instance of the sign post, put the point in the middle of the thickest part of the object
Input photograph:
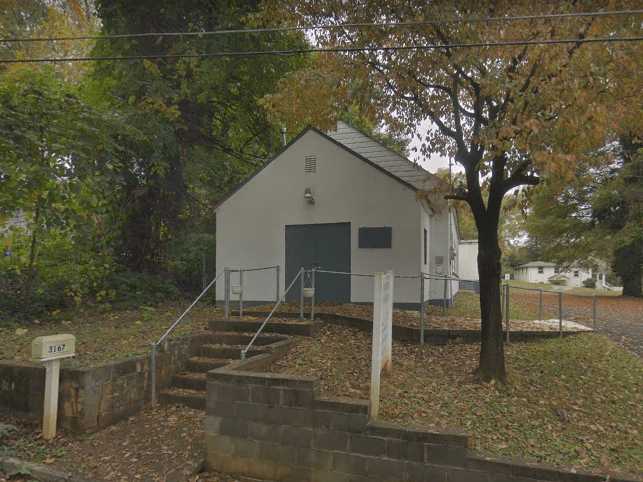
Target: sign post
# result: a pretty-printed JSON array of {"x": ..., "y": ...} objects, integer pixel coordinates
[
  {"x": 49, "y": 350},
  {"x": 382, "y": 335}
]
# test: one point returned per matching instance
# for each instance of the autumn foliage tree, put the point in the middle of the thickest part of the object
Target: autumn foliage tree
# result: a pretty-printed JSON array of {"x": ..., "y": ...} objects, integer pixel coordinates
[{"x": 509, "y": 115}]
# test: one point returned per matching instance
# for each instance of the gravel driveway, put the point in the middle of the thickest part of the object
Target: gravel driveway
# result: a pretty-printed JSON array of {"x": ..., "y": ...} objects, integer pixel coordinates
[{"x": 620, "y": 318}]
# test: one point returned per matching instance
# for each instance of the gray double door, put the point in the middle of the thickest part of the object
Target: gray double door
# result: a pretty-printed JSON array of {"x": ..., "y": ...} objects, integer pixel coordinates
[{"x": 324, "y": 246}]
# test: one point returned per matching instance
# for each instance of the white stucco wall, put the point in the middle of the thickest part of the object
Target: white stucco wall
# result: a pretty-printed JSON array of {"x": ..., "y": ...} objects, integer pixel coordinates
[
  {"x": 532, "y": 275},
  {"x": 468, "y": 259},
  {"x": 576, "y": 281},
  {"x": 438, "y": 248},
  {"x": 251, "y": 223}
]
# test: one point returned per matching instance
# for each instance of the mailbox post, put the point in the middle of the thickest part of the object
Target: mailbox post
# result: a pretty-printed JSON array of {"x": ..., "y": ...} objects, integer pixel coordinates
[{"x": 49, "y": 350}]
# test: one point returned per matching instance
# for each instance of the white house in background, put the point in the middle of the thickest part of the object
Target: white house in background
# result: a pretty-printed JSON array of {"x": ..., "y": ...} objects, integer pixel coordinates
[
  {"x": 468, "y": 260},
  {"x": 544, "y": 272},
  {"x": 340, "y": 201}
]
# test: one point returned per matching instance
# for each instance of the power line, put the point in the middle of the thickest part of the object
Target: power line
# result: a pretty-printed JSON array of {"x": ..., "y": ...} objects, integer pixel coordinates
[
  {"x": 256, "y": 53},
  {"x": 421, "y": 23}
]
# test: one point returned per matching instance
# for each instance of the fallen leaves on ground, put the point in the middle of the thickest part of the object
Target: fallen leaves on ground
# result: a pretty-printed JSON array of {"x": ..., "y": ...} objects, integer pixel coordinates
[
  {"x": 569, "y": 402},
  {"x": 155, "y": 445},
  {"x": 107, "y": 336}
]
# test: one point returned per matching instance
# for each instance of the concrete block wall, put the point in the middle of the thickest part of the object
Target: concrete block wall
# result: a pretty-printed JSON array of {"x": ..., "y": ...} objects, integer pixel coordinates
[
  {"x": 276, "y": 427},
  {"x": 94, "y": 397}
]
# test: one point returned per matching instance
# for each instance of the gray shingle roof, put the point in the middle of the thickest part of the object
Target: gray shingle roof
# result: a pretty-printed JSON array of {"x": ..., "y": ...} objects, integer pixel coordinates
[{"x": 384, "y": 157}]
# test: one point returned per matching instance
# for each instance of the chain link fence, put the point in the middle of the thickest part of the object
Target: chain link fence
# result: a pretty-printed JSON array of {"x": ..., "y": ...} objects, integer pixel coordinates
[{"x": 525, "y": 305}]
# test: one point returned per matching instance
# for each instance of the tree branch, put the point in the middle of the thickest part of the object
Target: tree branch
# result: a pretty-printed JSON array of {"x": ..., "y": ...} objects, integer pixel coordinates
[{"x": 520, "y": 180}]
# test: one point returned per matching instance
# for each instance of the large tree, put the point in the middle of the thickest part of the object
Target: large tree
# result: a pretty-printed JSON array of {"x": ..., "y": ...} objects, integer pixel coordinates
[
  {"x": 205, "y": 130},
  {"x": 597, "y": 216},
  {"x": 508, "y": 115}
]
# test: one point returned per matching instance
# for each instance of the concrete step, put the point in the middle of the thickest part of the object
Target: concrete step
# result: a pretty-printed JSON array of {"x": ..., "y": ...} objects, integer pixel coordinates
[
  {"x": 190, "y": 380},
  {"x": 228, "y": 351},
  {"x": 182, "y": 396},
  {"x": 204, "y": 364},
  {"x": 294, "y": 327}
]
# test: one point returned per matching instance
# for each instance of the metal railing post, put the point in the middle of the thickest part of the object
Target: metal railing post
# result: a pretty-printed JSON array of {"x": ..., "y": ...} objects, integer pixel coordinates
[
  {"x": 312, "y": 299},
  {"x": 444, "y": 298},
  {"x": 226, "y": 293},
  {"x": 507, "y": 313},
  {"x": 277, "y": 282},
  {"x": 421, "y": 309},
  {"x": 240, "y": 293},
  {"x": 244, "y": 351},
  {"x": 153, "y": 373},
  {"x": 540, "y": 306},
  {"x": 301, "y": 294},
  {"x": 560, "y": 312},
  {"x": 594, "y": 312},
  {"x": 501, "y": 287},
  {"x": 204, "y": 280}
]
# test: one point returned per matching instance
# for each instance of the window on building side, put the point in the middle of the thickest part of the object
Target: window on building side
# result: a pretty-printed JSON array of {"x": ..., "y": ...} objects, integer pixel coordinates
[
  {"x": 375, "y": 237},
  {"x": 576, "y": 273},
  {"x": 541, "y": 270}
]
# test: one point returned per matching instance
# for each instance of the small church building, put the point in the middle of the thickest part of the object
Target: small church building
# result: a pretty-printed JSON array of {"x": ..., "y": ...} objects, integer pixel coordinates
[{"x": 339, "y": 201}]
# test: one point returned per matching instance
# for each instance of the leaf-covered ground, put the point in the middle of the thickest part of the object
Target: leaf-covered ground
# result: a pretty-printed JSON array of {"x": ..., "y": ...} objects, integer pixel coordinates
[
  {"x": 463, "y": 315},
  {"x": 159, "y": 444},
  {"x": 105, "y": 336},
  {"x": 576, "y": 401}
]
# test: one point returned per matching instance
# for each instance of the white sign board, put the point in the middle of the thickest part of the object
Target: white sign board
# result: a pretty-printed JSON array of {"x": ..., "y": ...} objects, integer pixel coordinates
[
  {"x": 52, "y": 347},
  {"x": 50, "y": 350},
  {"x": 382, "y": 334}
]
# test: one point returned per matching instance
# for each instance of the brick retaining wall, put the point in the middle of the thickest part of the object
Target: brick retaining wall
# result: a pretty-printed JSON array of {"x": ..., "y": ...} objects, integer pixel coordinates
[
  {"x": 276, "y": 427},
  {"x": 95, "y": 397}
]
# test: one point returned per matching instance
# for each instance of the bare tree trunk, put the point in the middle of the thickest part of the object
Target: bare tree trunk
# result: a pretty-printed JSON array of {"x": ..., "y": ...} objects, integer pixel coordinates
[
  {"x": 492, "y": 358},
  {"x": 31, "y": 272}
]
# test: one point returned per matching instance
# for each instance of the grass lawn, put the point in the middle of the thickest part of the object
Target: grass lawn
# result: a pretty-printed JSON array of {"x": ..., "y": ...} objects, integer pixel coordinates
[
  {"x": 103, "y": 336},
  {"x": 581, "y": 291},
  {"x": 572, "y": 402},
  {"x": 467, "y": 305},
  {"x": 538, "y": 286},
  {"x": 591, "y": 292}
]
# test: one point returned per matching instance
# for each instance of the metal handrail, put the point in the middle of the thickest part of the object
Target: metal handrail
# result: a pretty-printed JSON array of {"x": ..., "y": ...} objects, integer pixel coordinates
[
  {"x": 443, "y": 277},
  {"x": 167, "y": 333},
  {"x": 244, "y": 351},
  {"x": 180, "y": 318},
  {"x": 366, "y": 275},
  {"x": 254, "y": 269},
  {"x": 343, "y": 272}
]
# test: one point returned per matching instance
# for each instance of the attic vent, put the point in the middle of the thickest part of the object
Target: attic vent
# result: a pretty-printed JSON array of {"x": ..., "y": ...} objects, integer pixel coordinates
[{"x": 310, "y": 164}]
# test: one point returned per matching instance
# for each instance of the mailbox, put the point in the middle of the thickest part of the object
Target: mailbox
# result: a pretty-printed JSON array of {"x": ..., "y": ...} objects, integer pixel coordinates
[{"x": 53, "y": 347}]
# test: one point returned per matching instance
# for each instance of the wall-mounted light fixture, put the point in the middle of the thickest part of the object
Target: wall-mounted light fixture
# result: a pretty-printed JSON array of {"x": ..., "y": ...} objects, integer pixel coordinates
[{"x": 308, "y": 196}]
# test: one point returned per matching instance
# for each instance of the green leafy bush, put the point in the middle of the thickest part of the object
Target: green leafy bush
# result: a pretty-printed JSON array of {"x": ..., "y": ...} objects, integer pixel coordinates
[
  {"x": 188, "y": 256},
  {"x": 130, "y": 288}
]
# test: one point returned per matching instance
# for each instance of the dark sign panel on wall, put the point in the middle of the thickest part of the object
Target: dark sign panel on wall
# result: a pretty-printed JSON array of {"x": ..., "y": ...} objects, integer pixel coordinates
[{"x": 375, "y": 237}]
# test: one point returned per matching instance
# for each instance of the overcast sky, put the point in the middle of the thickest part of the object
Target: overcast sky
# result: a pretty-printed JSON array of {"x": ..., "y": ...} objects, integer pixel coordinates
[{"x": 433, "y": 163}]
